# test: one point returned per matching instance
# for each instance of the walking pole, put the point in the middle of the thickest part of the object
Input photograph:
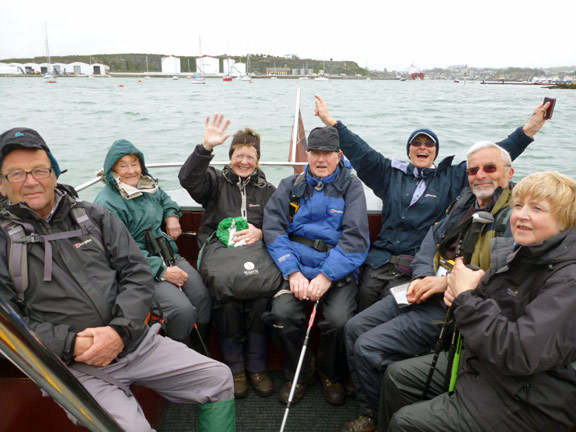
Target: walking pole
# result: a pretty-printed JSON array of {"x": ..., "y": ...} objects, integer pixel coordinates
[
  {"x": 299, "y": 366},
  {"x": 464, "y": 247},
  {"x": 437, "y": 349},
  {"x": 451, "y": 355},
  {"x": 204, "y": 347},
  {"x": 455, "y": 365}
]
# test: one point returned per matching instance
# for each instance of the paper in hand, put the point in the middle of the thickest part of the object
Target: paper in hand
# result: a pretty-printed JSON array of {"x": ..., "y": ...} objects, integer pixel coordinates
[{"x": 399, "y": 293}]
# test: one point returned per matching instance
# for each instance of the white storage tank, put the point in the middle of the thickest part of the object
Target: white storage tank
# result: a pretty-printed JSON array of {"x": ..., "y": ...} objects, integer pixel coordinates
[{"x": 171, "y": 65}]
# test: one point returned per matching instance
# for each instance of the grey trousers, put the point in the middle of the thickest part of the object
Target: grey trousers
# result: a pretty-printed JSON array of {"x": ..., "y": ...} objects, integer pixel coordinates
[
  {"x": 405, "y": 411},
  {"x": 174, "y": 371},
  {"x": 183, "y": 307}
]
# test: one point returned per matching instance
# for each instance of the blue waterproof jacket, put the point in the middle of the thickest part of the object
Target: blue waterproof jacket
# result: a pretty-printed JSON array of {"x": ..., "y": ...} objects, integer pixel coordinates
[
  {"x": 407, "y": 210},
  {"x": 332, "y": 209}
]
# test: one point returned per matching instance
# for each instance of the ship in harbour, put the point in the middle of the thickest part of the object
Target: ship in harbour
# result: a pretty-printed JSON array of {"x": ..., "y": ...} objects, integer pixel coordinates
[{"x": 414, "y": 73}]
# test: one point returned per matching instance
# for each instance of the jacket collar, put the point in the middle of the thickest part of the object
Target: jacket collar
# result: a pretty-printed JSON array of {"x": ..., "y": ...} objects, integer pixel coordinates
[
  {"x": 65, "y": 198},
  {"x": 408, "y": 168},
  {"x": 558, "y": 248},
  {"x": 339, "y": 179},
  {"x": 257, "y": 178}
]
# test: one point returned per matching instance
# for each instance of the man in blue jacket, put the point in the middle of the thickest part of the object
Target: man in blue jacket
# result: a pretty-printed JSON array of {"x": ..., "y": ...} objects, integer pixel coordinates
[
  {"x": 414, "y": 195},
  {"x": 316, "y": 230}
]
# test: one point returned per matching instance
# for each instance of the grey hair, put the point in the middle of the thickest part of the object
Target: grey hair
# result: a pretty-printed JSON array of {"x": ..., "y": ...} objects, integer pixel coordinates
[{"x": 481, "y": 145}]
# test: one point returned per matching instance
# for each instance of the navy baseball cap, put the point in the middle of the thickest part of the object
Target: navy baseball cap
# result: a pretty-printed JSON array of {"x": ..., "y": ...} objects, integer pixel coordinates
[
  {"x": 25, "y": 138},
  {"x": 429, "y": 134}
]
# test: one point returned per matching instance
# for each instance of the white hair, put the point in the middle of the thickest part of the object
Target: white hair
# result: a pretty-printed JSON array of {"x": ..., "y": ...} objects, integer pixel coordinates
[{"x": 481, "y": 145}]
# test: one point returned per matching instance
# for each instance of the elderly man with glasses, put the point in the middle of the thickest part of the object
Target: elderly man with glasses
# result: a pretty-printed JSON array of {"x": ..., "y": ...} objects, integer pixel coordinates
[
  {"x": 414, "y": 195},
  {"x": 386, "y": 331},
  {"x": 87, "y": 292}
]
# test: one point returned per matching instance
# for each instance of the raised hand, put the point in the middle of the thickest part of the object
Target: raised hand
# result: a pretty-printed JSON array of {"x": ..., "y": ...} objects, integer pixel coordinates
[
  {"x": 537, "y": 120},
  {"x": 321, "y": 110},
  {"x": 214, "y": 132}
]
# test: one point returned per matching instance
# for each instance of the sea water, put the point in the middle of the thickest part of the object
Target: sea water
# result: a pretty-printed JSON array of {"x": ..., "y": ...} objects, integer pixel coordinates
[{"x": 80, "y": 118}]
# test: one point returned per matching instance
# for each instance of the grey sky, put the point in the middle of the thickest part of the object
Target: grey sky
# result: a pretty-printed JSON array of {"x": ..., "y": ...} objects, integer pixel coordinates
[{"x": 374, "y": 33}]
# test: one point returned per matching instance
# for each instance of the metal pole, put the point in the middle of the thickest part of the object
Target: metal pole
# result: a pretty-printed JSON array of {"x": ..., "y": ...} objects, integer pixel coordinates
[
  {"x": 295, "y": 128},
  {"x": 43, "y": 367}
]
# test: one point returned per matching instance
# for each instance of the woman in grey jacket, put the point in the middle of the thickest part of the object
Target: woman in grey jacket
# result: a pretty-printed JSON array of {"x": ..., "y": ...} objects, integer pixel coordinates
[{"x": 517, "y": 370}]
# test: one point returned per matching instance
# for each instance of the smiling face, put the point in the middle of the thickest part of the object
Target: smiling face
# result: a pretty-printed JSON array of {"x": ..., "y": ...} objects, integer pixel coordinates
[
  {"x": 422, "y": 151},
  {"x": 532, "y": 221},
  {"x": 483, "y": 183},
  {"x": 323, "y": 163},
  {"x": 38, "y": 194},
  {"x": 244, "y": 161},
  {"x": 129, "y": 169}
]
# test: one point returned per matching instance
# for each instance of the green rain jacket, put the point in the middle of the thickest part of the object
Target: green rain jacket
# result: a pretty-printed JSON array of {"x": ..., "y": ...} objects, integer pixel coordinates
[{"x": 148, "y": 211}]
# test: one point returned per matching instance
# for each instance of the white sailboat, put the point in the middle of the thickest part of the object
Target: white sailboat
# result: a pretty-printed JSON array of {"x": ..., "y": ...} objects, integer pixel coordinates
[
  {"x": 49, "y": 76},
  {"x": 198, "y": 78}
]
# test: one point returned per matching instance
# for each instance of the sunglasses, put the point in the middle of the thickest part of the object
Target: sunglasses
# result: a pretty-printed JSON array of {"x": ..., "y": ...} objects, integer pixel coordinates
[
  {"x": 488, "y": 169},
  {"x": 428, "y": 143}
]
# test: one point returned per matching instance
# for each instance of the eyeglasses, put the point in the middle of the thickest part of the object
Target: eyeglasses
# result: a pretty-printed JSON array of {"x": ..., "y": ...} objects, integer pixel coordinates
[
  {"x": 488, "y": 169},
  {"x": 428, "y": 143},
  {"x": 20, "y": 176}
]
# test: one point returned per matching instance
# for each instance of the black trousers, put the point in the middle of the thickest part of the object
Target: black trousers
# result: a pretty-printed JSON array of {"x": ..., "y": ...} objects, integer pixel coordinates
[
  {"x": 290, "y": 321},
  {"x": 404, "y": 409}
]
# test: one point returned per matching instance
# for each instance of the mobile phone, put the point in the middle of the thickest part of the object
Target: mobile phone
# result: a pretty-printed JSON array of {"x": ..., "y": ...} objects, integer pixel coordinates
[{"x": 550, "y": 110}]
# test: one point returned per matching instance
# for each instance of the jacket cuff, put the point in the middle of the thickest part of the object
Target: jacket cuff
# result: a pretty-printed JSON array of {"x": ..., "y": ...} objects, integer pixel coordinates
[
  {"x": 123, "y": 332},
  {"x": 70, "y": 345},
  {"x": 160, "y": 275},
  {"x": 202, "y": 151}
]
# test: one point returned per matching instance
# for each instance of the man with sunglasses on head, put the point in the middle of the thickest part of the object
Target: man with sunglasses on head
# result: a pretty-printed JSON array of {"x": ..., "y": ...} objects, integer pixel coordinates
[
  {"x": 414, "y": 195},
  {"x": 386, "y": 332}
]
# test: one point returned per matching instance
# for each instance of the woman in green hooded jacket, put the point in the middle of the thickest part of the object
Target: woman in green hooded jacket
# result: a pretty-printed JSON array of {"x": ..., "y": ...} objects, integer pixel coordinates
[{"x": 135, "y": 197}]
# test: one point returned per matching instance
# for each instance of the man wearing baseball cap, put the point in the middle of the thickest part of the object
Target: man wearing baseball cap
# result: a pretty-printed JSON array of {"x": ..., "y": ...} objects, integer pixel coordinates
[
  {"x": 88, "y": 291},
  {"x": 316, "y": 230}
]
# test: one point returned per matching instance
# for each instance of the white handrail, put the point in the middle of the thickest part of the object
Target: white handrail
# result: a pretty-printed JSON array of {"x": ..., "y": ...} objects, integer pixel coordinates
[{"x": 92, "y": 182}]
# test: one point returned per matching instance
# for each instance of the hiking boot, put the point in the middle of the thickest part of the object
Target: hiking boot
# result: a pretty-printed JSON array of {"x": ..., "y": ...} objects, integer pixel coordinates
[
  {"x": 361, "y": 424},
  {"x": 349, "y": 388},
  {"x": 333, "y": 391},
  {"x": 240, "y": 385},
  {"x": 284, "y": 392},
  {"x": 261, "y": 383}
]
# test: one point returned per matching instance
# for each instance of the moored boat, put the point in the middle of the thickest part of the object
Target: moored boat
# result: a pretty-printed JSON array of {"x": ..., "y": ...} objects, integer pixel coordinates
[{"x": 414, "y": 73}]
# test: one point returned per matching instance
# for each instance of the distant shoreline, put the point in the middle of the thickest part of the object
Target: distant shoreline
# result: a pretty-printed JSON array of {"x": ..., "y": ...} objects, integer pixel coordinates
[{"x": 190, "y": 75}]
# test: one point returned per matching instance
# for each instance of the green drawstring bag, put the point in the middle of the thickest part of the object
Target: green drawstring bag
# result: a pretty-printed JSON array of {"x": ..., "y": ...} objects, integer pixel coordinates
[{"x": 228, "y": 227}]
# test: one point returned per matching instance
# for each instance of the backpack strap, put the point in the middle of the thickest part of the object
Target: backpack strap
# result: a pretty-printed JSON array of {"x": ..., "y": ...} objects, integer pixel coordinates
[
  {"x": 294, "y": 204},
  {"x": 81, "y": 217},
  {"x": 20, "y": 234},
  {"x": 17, "y": 257},
  {"x": 501, "y": 222}
]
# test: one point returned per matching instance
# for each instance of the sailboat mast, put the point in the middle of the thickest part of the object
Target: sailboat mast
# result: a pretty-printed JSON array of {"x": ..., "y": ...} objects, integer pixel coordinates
[{"x": 47, "y": 47}]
